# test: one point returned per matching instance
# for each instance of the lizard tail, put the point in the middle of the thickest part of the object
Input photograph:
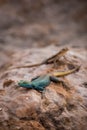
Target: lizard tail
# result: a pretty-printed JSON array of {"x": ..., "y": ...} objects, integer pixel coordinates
[
  {"x": 27, "y": 66},
  {"x": 64, "y": 73}
]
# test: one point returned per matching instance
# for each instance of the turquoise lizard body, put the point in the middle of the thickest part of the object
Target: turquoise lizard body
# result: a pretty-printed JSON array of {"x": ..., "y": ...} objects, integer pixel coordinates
[{"x": 39, "y": 83}]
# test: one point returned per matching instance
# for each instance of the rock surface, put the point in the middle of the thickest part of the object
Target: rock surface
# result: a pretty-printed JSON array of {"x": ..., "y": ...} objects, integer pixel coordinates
[
  {"x": 30, "y": 31},
  {"x": 60, "y": 108}
]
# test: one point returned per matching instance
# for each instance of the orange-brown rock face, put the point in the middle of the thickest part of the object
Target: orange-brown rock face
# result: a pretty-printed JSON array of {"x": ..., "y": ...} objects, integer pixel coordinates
[{"x": 60, "y": 108}]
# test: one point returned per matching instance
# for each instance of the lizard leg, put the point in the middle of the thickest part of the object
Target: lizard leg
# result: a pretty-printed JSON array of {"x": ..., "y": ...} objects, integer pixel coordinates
[
  {"x": 43, "y": 93},
  {"x": 54, "y": 79},
  {"x": 65, "y": 85},
  {"x": 55, "y": 63}
]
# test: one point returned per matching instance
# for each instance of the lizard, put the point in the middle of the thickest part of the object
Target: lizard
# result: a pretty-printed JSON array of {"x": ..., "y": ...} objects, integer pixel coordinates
[
  {"x": 39, "y": 83},
  {"x": 52, "y": 59}
]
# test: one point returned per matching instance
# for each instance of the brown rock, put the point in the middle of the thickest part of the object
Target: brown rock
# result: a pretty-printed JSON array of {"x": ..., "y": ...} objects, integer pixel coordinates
[{"x": 59, "y": 109}]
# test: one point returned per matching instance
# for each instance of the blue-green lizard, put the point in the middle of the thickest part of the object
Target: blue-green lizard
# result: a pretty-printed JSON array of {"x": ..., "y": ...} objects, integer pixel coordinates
[{"x": 39, "y": 83}]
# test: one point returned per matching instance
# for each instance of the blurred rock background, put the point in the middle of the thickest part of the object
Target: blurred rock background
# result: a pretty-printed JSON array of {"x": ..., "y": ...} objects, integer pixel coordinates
[{"x": 38, "y": 23}]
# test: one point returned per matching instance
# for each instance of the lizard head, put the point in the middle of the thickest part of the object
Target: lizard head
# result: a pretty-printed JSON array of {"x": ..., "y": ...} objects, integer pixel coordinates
[{"x": 24, "y": 84}]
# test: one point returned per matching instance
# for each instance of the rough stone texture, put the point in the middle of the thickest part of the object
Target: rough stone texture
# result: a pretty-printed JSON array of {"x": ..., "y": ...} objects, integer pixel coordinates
[
  {"x": 60, "y": 109},
  {"x": 25, "y": 27}
]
